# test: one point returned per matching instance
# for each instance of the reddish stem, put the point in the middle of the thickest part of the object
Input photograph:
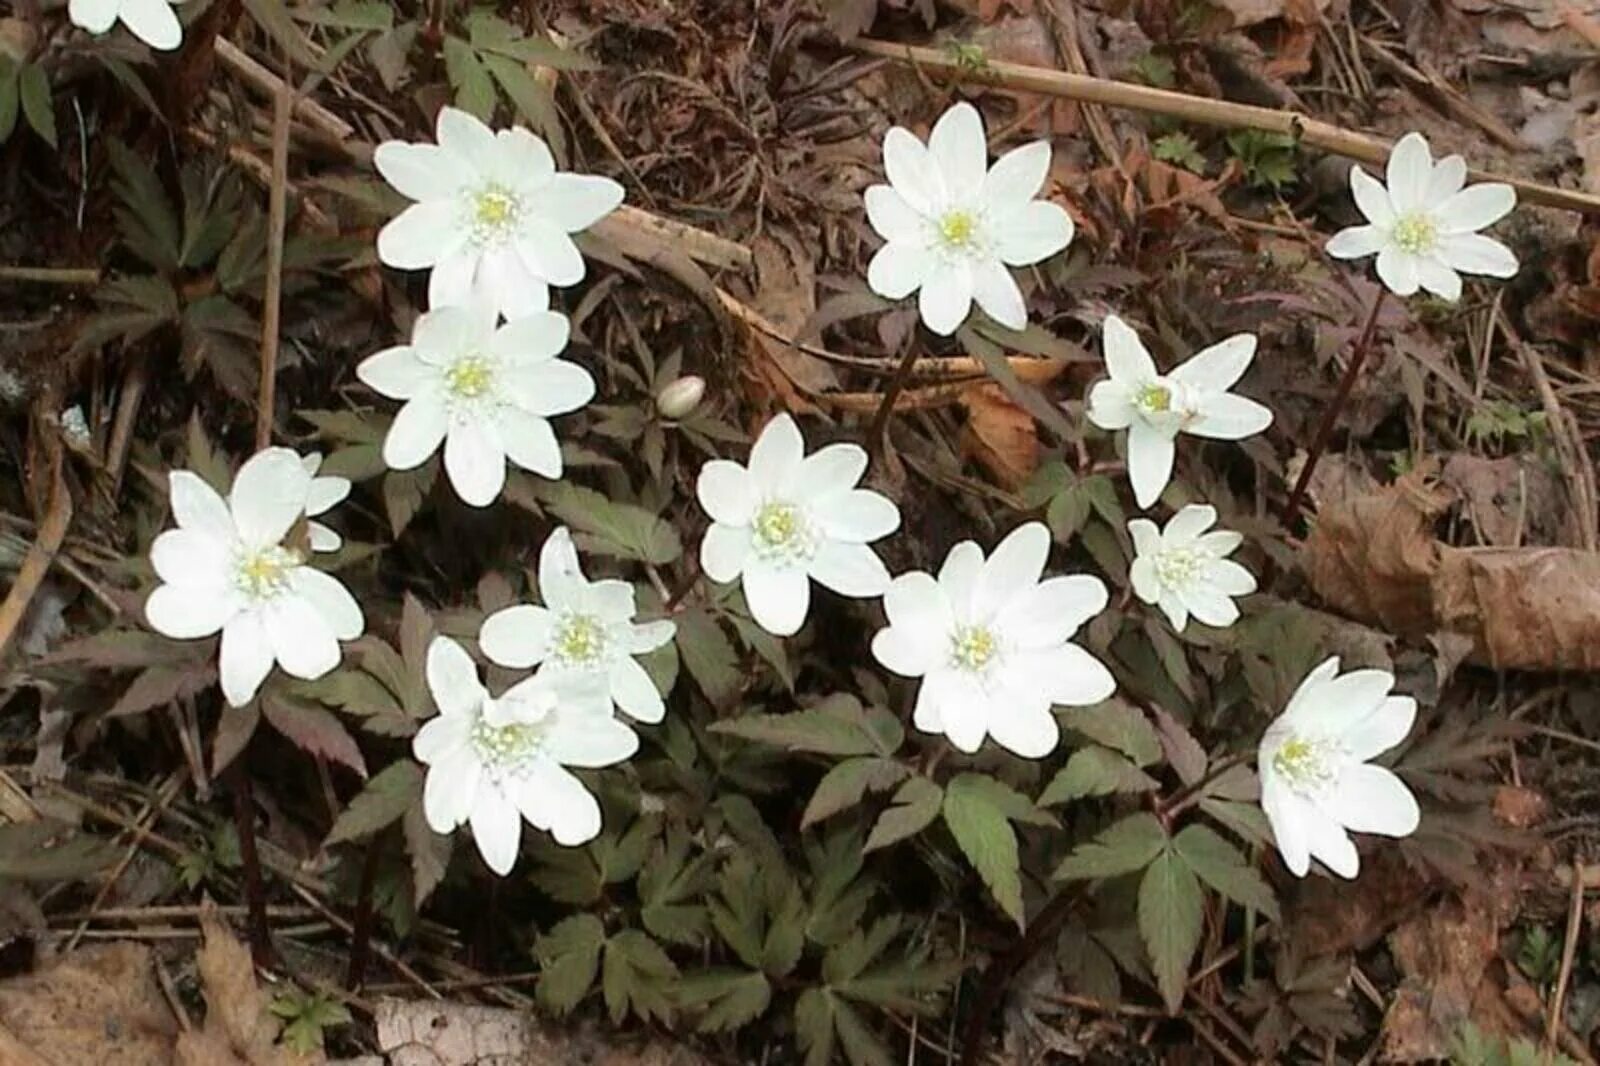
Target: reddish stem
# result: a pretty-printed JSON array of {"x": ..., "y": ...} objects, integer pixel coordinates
[{"x": 244, "y": 823}]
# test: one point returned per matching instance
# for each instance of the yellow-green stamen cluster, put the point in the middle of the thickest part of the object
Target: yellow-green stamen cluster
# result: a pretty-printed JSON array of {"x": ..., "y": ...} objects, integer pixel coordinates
[
  {"x": 1303, "y": 763},
  {"x": 1154, "y": 398},
  {"x": 1416, "y": 233},
  {"x": 1178, "y": 567},
  {"x": 469, "y": 377},
  {"x": 263, "y": 574},
  {"x": 958, "y": 229},
  {"x": 506, "y": 749},
  {"x": 973, "y": 648},
  {"x": 579, "y": 639},
  {"x": 493, "y": 213},
  {"x": 781, "y": 531}
]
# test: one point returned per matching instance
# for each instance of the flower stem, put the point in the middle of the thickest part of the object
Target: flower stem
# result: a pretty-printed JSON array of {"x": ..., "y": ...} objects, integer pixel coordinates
[
  {"x": 361, "y": 931},
  {"x": 1330, "y": 414},
  {"x": 880, "y": 421},
  {"x": 244, "y": 824}
]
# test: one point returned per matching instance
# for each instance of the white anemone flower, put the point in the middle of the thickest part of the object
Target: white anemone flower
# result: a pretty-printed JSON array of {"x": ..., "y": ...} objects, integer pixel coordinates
[
  {"x": 584, "y": 627},
  {"x": 488, "y": 394},
  {"x": 1423, "y": 226},
  {"x": 787, "y": 518},
  {"x": 1155, "y": 407},
  {"x": 954, "y": 224},
  {"x": 493, "y": 216},
  {"x": 152, "y": 21},
  {"x": 230, "y": 566},
  {"x": 1185, "y": 571},
  {"x": 494, "y": 761},
  {"x": 1316, "y": 784},
  {"x": 322, "y": 496},
  {"x": 992, "y": 644}
]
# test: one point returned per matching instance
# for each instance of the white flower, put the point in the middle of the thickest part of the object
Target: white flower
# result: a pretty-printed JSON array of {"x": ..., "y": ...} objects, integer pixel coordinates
[
  {"x": 487, "y": 393},
  {"x": 954, "y": 223},
  {"x": 75, "y": 426},
  {"x": 1154, "y": 407},
  {"x": 492, "y": 216},
  {"x": 1315, "y": 781},
  {"x": 788, "y": 518},
  {"x": 585, "y": 627},
  {"x": 322, "y": 495},
  {"x": 496, "y": 760},
  {"x": 1424, "y": 225},
  {"x": 152, "y": 21},
  {"x": 1183, "y": 569},
  {"x": 228, "y": 567},
  {"x": 992, "y": 644}
]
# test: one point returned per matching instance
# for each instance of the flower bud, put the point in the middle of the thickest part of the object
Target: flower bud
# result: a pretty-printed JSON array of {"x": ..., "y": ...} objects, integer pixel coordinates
[{"x": 680, "y": 397}]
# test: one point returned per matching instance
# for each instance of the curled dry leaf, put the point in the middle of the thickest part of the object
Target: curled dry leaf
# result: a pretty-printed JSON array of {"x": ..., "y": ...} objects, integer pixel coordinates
[
  {"x": 1000, "y": 435},
  {"x": 99, "y": 1004},
  {"x": 1375, "y": 558}
]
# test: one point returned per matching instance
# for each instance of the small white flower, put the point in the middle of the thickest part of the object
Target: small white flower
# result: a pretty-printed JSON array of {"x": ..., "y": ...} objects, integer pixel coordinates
[
  {"x": 492, "y": 217},
  {"x": 954, "y": 223},
  {"x": 1424, "y": 225},
  {"x": 228, "y": 567},
  {"x": 1154, "y": 407},
  {"x": 788, "y": 518},
  {"x": 496, "y": 760},
  {"x": 584, "y": 627},
  {"x": 75, "y": 426},
  {"x": 323, "y": 494},
  {"x": 1316, "y": 786},
  {"x": 1184, "y": 570},
  {"x": 486, "y": 393},
  {"x": 152, "y": 21},
  {"x": 992, "y": 644}
]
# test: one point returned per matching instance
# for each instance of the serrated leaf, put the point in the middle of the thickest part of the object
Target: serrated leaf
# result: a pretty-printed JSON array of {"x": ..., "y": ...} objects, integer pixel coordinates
[
  {"x": 861, "y": 1045},
  {"x": 312, "y": 730},
  {"x": 634, "y": 977},
  {"x": 347, "y": 426},
  {"x": 384, "y": 800},
  {"x": 606, "y": 527},
  {"x": 158, "y": 686},
  {"x": 429, "y": 852},
  {"x": 1122, "y": 848},
  {"x": 1170, "y": 913},
  {"x": 839, "y": 725},
  {"x": 813, "y": 1026},
  {"x": 916, "y": 805},
  {"x": 121, "y": 649},
  {"x": 708, "y": 655},
  {"x": 493, "y": 34},
  {"x": 985, "y": 836},
  {"x": 273, "y": 18},
  {"x": 569, "y": 959},
  {"x": 1095, "y": 771},
  {"x": 669, "y": 885},
  {"x": 146, "y": 220},
  {"x": 848, "y": 783},
  {"x": 404, "y": 491},
  {"x": 1119, "y": 725},
  {"x": 234, "y": 729},
  {"x": 10, "y": 92},
  {"x": 1223, "y": 867},
  {"x": 769, "y": 647},
  {"x": 1245, "y": 819},
  {"x": 732, "y": 998},
  {"x": 1184, "y": 753},
  {"x": 568, "y": 875}
]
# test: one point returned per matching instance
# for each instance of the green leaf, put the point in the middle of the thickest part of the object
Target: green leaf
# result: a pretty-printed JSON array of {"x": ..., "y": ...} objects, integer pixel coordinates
[
  {"x": 404, "y": 491},
  {"x": 312, "y": 730},
  {"x": 839, "y": 725},
  {"x": 848, "y": 783},
  {"x": 1170, "y": 912},
  {"x": 861, "y": 1045},
  {"x": 533, "y": 101},
  {"x": 1223, "y": 867},
  {"x": 635, "y": 977},
  {"x": 709, "y": 657},
  {"x": 569, "y": 959},
  {"x": 984, "y": 834},
  {"x": 49, "y": 851},
  {"x": 273, "y": 18},
  {"x": 669, "y": 885},
  {"x": 473, "y": 86},
  {"x": 1245, "y": 819},
  {"x": 1117, "y": 724},
  {"x": 813, "y": 1026},
  {"x": 1095, "y": 771},
  {"x": 603, "y": 526},
  {"x": 351, "y": 15},
  {"x": 493, "y": 34},
  {"x": 1122, "y": 848},
  {"x": 429, "y": 851},
  {"x": 148, "y": 224},
  {"x": 764, "y": 644},
  {"x": 567, "y": 875},
  {"x": 916, "y": 805},
  {"x": 383, "y": 802},
  {"x": 35, "y": 91},
  {"x": 9, "y": 93},
  {"x": 732, "y": 998}
]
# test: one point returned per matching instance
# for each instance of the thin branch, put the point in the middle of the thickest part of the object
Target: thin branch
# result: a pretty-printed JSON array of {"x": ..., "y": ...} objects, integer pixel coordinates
[{"x": 273, "y": 303}]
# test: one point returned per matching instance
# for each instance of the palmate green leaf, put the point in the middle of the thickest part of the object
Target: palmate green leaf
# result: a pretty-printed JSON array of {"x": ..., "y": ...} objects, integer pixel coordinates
[
  {"x": 34, "y": 88},
  {"x": 474, "y": 88},
  {"x": 813, "y": 1026},
  {"x": 569, "y": 960},
  {"x": 491, "y": 33},
  {"x": 1245, "y": 819},
  {"x": 567, "y": 875},
  {"x": 637, "y": 977},
  {"x": 1095, "y": 771},
  {"x": 384, "y": 800},
  {"x": 708, "y": 655},
  {"x": 1119, "y": 725},
  {"x": 1122, "y": 848},
  {"x": 839, "y": 725},
  {"x": 978, "y": 810},
  {"x": 764, "y": 644},
  {"x": 350, "y": 427},
  {"x": 916, "y": 805},
  {"x": 848, "y": 783},
  {"x": 533, "y": 101},
  {"x": 731, "y": 998},
  {"x": 1223, "y": 867},
  {"x": 670, "y": 886},
  {"x": 122, "y": 649},
  {"x": 145, "y": 218},
  {"x": 312, "y": 729},
  {"x": 861, "y": 1045},
  {"x": 429, "y": 852},
  {"x": 606, "y": 527},
  {"x": 839, "y": 894},
  {"x": 1170, "y": 913}
]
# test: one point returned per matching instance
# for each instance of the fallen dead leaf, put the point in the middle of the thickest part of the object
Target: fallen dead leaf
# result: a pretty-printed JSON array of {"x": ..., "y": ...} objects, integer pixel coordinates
[
  {"x": 100, "y": 1004},
  {"x": 415, "y": 1033},
  {"x": 1444, "y": 957},
  {"x": 1511, "y": 501},
  {"x": 1000, "y": 435},
  {"x": 1376, "y": 559}
]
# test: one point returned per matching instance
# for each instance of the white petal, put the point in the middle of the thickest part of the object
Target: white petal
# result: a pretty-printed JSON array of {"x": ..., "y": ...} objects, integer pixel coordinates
[
  {"x": 1356, "y": 242},
  {"x": 421, "y": 235},
  {"x": 188, "y": 612},
  {"x": 964, "y": 710},
  {"x": 496, "y": 828},
  {"x": 911, "y": 171},
  {"x": 505, "y": 283},
  {"x": 1050, "y": 612},
  {"x": 1370, "y": 799},
  {"x": 1449, "y": 175},
  {"x": 916, "y": 603},
  {"x": 1176, "y": 610},
  {"x": 191, "y": 559},
  {"x": 1220, "y": 542},
  {"x": 549, "y": 254},
  {"x": 995, "y": 290},
  {"x": 1308, "y": 693},
  {"x": 563, "y": 806},
  {"x": 1409, "y": 172},
  {"x": 326, "y": 493},
  {"x": 441, "y": 336},
  {"x": 532, "y": 339},
  {"x": 328, "y": 596},
  {"x": 779, "y": 598},
  {"x": 517, "y": 636},
  {"x": 302, "y": 640},
  {"x": 268, "y": 496},
  {"x": 960, "y": 150},
  {"x": 552, "y": 387},
  {"x": 415, "y": 433},
  {"x": 832, "y": 470},
  {"x": 635, "y": 692},
  {"x": 153, "y": 22},
  {"x": 1111, "y": 404},
  {"x": 1473, "y": 253},
  {"x": 1438, "y": 279},
  {"x": 1150, "y": 455},
  {"x": 1033, "y": 233},
  {"x": 442, "y": 737},
  {"x": 858, "y": 516},
  {"x": 726, "y": 492},
  {"x": 590, "y": 741},
  {"x": 1126, "y": 356},
  {"x": 1475, "y": 207},
  {"x": 1143, "y": 576},
  {"x": 530, "y": 442},
  {"x": 1381, "y": 730},
  {"x": 1025, "y": 728},
  {"x": 1349, "y": 698},
  {"x": 893, "y": 218},
  {"x": 1012, "y": 569},
  {"x": 448, "y": 791},
  {"x": 724, "y": 551},
  {"x": 561, "y": 580},
  {"x": 1371, "y": 198},
  {"x": 1229, "y": 417},
  {"x": 1189, "y": 523},
  {"x": 1016, "y": 178},
  {"x": 1210, "y": 606},
  {"x": 958, "y": 578},
  {"x": 775, "y": 458},
  {"x": 475, "y": 461},
  {"x": 926, "y": 715},
  {"x": 1398, "y": 270},
  {"x": 1217, "y": 368},
  {"x": 96, "y": 16},
  {"x": 454, "y": 278},
  {"x": 453, "y": 678},
  {"x": 246, "y": 658},
  {"x": 1331, "y": 845},
  {"x": 577, "y": 201},
  {"x": 396, "y": 373},
  {"x": 420, "y": 171},
  {"x": 946, "y": 296},
  {"x": 648, "y": 636},
  {"x": 523, "y": 160},
  {"x": 849, "y": 569},
  {"x": 898, "y": 269},
  {"x": 464, "y": 135},
  {"x": 908, "y": 650},
  {"x": 196, "y": 506},
  {"x": 1230, "y": 578},
  {"x": 1066, "y": 674},
  {"x": 1286, "y": 813}
]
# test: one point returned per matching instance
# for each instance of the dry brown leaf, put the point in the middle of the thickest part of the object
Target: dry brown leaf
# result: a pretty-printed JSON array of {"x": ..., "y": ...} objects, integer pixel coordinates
[
  {"x": 1376, "y": 559},
  {"x": 785, "y": 297},
  {"x": 1000, "y": 435},
  {"x": 97, "y": 1005},
  {"x": 1445, "y": 956}
]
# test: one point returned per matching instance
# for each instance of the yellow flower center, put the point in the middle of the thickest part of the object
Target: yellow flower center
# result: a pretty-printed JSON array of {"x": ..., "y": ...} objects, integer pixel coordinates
[
  {"x": 1178, "y": 567},
  {"x": 1416, "y": 233},
  {"x": 973, "y": 648},
  {"x": 505, "y": 749},
  {"x": 777, "y": 524},
  {"x": 1307, "y": 765},
  {"x": 958, "y": 229},
  {"x": 1154, "y": 398},
  {"x": 265, "y": 573},
  {"x": 579, "y": 639},
  {"x": 469, "y": 377}
]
